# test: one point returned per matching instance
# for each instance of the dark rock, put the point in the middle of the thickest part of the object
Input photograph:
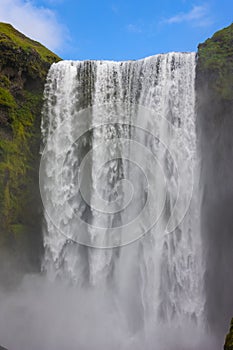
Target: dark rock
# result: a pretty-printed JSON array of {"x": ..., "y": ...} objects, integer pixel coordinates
[
  {"x": 214, "y": 91},
  {"x": 229, "y": 338}
]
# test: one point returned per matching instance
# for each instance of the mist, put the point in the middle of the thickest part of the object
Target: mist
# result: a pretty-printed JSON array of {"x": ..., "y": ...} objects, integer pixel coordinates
[{"x": 45, "y": 315}]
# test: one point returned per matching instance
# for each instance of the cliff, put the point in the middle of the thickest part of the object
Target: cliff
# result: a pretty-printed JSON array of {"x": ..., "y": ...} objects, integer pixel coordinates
[
  {"x": 215, "y": 64},
  {"x": 24, "y": 64},
  {"x": 229, "y": 338},
  {"x": 214, "y": 91}
]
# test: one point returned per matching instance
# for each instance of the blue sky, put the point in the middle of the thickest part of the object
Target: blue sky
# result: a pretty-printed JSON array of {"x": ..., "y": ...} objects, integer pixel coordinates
[{"x": 117, "y": 29}]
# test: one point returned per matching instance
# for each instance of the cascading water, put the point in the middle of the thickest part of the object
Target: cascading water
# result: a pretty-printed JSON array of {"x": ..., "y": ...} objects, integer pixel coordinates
[{"x": 121, "y": 212}]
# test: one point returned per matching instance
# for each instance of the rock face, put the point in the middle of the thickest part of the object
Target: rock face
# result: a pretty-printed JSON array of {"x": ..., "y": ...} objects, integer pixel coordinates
[
  {"x": 24, "y": 64},
  {"x": 214, "y": 88},
  {"x": 229, "y": 338}
]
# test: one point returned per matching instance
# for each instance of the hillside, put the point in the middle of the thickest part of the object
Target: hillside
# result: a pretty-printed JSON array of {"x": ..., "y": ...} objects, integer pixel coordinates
[
  {"x": 24, "y": 64},
  {"x": 215, "y": 62}
]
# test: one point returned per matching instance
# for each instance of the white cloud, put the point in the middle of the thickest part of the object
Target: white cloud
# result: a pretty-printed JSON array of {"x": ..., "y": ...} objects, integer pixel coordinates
[
  {"x": 38, "y": 23},
  {"x": 199, "y": 15}
]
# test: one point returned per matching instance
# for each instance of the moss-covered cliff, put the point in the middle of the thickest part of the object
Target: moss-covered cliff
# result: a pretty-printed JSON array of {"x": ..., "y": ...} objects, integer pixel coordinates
[
  {"x": 24, "y": 64},
  {"x": 229, "y": 338},
  {"x": 215, "y": 63},
  {"x": 214, "y": 91}
]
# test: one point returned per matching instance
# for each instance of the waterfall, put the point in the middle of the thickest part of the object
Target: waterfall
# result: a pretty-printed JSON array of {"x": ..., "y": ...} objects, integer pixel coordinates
[{"x": 116, "y": 177}]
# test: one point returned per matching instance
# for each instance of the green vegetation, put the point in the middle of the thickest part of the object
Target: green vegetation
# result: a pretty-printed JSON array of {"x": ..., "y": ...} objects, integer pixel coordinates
[
  {"x": 216, "y": 59},
  {"x": 24, "y": 64},
  {"x": 17, "y": 157},
  {"x": 229, "y": 338},
  {"x": 10, "y": 36},
  {"x": 6, "y": 99}
]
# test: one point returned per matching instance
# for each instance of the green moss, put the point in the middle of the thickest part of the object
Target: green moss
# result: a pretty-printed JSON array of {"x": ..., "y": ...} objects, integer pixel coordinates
[
  {"x": 6, "y": 99},
  {"x": 17, "y": 159},
  {"x": 22, "y": 59},
  {"x": 7, "y": 205},
  {"x": 216, "y": 58},
  {"x": 9, "y": 35},
  {"x": 24, "y": 64},
  {"x": 18, "y": 229},
  {"x": 4, "y": 82}
]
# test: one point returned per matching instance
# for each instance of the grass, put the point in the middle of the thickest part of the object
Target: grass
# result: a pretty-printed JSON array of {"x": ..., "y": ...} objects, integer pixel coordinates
[
  {"x": 216, "y": 57},
  {"x": 8, "y": 34},
  {"x": 6, "y": 99}
]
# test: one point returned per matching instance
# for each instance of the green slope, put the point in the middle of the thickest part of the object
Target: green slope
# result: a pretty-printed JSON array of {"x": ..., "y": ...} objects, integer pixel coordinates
[
  {"x": 24, "y": 64},
  {"x": 11, "y": 36},
  {"x": 216, "y": 58}
]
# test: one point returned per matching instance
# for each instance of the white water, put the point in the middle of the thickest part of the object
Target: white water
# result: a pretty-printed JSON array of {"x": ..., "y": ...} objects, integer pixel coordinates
[{"x": 147, "y": 108}]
